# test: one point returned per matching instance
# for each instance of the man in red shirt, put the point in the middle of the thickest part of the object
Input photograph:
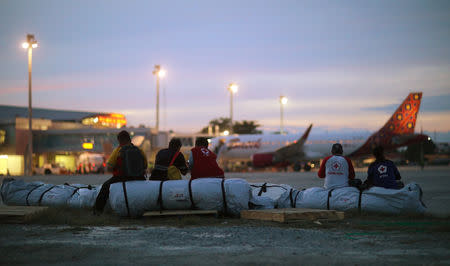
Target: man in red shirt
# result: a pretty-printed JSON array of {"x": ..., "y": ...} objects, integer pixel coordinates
[
  {"x": 202, "y": 161},
  {"x": 336, "y": 169}
]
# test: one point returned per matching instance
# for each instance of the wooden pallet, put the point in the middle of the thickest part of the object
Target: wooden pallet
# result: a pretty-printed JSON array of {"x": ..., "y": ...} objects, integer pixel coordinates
[
  {"x": 292, "y": 215},
  {"x": 179, "y": 212},
  {"x": 17, "y": 213}
]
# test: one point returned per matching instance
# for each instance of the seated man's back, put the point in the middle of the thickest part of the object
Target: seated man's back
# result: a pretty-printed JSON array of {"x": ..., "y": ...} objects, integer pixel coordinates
[
  {"x": 203, "y": 162},
  {"x": 336, "y": 169},
  {"x": 383, "y": 172},
  {"x": 163, "y": 159}
]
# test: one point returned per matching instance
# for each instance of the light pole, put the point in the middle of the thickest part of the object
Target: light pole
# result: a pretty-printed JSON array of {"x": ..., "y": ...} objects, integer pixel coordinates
[
  {"x": 233, "y": 88},
  {"x": 159, "y": 73},
  {"x": 29, "y": 44},
  {"x": 283, "y": 101}
]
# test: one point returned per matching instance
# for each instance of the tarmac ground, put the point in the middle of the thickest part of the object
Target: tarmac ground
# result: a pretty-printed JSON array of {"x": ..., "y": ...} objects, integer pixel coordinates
[{"x": 78, "y": 237}]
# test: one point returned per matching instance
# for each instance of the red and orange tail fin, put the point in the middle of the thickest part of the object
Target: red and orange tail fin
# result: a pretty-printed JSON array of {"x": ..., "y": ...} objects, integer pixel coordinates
[{"x": 403, "y": 120}]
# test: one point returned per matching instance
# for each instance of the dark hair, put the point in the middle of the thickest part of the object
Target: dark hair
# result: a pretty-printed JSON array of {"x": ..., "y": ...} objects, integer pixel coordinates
[
  {"x": 336, "y": 149},
  {"x": 123, "y": 137},
  {"x": 175, "y": 144},
  {"x": 202, "y": 142},
  {"x": 378, "y": 152}
]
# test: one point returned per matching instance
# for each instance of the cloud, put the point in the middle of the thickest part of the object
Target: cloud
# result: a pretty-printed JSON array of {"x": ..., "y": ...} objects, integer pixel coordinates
[{"x": 436, "y": 104}]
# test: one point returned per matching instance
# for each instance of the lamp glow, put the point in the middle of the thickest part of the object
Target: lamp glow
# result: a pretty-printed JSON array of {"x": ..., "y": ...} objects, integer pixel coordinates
[
  {"x": 283, "y": 100},
  {"x": 34, "y": 45},
  {"x": 162, "y": 73},
  {"x": 25, "y": 45},
  {"x": 233, "y": 88},
  {"x": 226, "y": 133}
]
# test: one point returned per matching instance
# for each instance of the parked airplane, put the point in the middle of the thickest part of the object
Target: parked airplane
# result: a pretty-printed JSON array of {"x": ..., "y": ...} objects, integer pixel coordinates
[{"x": 267, "y": 150}]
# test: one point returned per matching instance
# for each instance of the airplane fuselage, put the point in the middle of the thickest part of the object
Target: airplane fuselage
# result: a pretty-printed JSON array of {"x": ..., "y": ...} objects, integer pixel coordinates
[
  {"x": 244, "y": 146},
  {"x": 397, "y": 132}
]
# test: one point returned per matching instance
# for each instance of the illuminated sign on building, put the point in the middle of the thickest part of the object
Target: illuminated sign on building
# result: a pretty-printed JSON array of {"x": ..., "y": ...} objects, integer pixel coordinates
[
  {"x": 105, "y": 120},
  {"x": 87, "y": 145}
]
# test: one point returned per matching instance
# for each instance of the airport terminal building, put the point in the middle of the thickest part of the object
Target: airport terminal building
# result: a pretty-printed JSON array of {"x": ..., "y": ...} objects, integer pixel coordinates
[
  {"x": 69, "y": 139},
  {"x": 60, "y": 137}
]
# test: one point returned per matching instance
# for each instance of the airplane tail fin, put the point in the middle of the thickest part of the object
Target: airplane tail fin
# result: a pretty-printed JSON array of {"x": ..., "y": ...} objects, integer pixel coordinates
[
  {"x": 403, "y": 120},
  {"x": 291, "y": 151},
  {"x": 305, "y": 135},
  {"x": 398, "y": 130}
]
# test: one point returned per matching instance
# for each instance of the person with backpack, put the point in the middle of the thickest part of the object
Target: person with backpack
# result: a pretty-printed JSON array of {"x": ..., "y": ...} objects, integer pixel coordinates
[
  {"x": 127, "y": 162},
  {"x": 202, "y": 161},
  {"x": 169, "y": 163},
  {"x": 382, "y": 172},
  {"x": 337, "y": 169}
]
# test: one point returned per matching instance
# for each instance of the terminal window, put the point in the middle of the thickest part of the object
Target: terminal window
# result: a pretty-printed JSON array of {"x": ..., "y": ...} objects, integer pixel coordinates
[{"x": 2, "y": 136}]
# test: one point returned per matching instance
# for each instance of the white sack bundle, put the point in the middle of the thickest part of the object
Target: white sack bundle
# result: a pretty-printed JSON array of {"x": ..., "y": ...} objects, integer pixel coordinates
[
  {"x": 375, "y": 199},
  {"x": 227, "y": 196},
  {"x": 21, "y": 193}
]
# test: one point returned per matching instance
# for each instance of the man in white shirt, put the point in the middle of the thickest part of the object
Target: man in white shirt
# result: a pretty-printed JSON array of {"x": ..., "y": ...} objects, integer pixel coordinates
[{"x": 336, "y": 169}]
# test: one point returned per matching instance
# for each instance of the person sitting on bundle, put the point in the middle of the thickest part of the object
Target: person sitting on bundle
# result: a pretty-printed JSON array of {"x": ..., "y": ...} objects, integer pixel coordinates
[
  {"x": 202, "y": 161},
  {"x": 382, "y": 172},
  {"x": 337, "y": 169},
  {"x": 167, "y": 160}
]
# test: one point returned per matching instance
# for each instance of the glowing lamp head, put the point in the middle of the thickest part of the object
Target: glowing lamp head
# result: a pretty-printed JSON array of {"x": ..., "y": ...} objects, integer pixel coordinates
[
  {"x": 226, "y": 133},
  {"x": 283, "y": 100},
  {"x": 233, "y": 88},
  {"x": 34, "y": 45},
  {"x": 161, "y": 73},
  {"x": 25, "y": 45}
]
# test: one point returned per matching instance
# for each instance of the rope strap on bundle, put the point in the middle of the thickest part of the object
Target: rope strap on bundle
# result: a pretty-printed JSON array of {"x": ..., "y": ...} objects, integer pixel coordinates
[
  {"x": 29, "y": 193},
  {"x": 43, "y": 193},
  {"x": 160, "y": 200},
  {"x": 126, "y": 197},
  {"x": 328, "y": 199},
  {"x": 225, "y": 208},
  {"x": 191, "y": 198}
]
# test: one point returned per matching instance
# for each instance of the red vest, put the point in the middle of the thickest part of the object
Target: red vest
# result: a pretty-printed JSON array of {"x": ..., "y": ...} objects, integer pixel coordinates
[{"x": 205, "y": 164}]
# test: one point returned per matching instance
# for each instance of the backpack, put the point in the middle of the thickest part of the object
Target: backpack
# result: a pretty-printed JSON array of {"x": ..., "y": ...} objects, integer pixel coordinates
[
  {"x": 133, "y": 164},
  {"x": 172, "y": 172}
]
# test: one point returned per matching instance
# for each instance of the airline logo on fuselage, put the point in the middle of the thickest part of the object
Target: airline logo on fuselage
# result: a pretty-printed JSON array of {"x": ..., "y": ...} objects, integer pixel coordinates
[{"x": 237, "y": 144}]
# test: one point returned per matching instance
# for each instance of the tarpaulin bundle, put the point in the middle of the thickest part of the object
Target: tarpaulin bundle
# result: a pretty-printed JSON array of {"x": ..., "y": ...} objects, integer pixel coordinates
[
  {"x": 268, "y": 196},
  {"x": 133, "y": 198},
  {"x": 19, "y": 192},
  {"x": 375, "y": 199},
  {"x": 229, "y": 196}
]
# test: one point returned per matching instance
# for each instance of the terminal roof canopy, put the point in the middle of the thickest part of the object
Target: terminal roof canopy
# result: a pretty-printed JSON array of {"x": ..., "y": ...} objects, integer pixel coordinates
[{"x": 8, "y": 112}]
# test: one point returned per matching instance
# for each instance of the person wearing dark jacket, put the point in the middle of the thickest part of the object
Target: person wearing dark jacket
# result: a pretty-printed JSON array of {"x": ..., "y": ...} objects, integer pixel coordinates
[
  {"x": 165, "y": 156},
  {"x": 202, "y": 161},
  {"x": 382, "y": 172},
  {"x": 127, "y": 162}
]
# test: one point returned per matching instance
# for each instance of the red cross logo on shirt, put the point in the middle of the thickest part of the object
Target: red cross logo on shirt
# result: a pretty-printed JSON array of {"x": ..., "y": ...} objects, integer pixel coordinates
[
  {"x": 336, "y": 166},
  {"x": 205, "y": 152},
  {"x": 382, "y": 169}
]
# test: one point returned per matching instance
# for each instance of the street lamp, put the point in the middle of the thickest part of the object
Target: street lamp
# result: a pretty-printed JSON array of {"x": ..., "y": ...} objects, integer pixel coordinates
[
  {"x": 159, "y": 73},
  {"x": 29, "y": 44},
  {"x": 233, "y": 88},
  {"x": 283, "y": 101}
]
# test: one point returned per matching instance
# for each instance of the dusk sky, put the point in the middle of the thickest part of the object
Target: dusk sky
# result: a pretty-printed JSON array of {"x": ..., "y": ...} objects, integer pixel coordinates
[{"x": 342, "y": 64}]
